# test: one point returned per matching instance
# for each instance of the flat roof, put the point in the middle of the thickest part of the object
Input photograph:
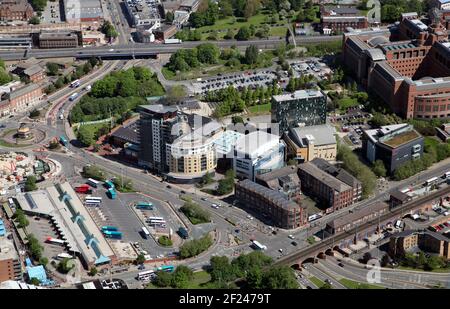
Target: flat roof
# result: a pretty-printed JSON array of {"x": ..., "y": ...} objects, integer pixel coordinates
[
  {"x": 359, "y": 214},
  {"x": 256, "y": 143},
  {"x": 321, "y": 134},
  {"x": 69, "y": 215},
  {"x": 324, "y": 177},
  {"x": 278, "y": 198},
  {"x": 7, "y": 249},
  {"x": 299, "y": 94},
  {"x": 402, "y": 138},
  {"x": 159, "y": 108}
]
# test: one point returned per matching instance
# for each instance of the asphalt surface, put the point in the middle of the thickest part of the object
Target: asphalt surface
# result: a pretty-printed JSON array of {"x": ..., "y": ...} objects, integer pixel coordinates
[{"x": 144, "y": 50}]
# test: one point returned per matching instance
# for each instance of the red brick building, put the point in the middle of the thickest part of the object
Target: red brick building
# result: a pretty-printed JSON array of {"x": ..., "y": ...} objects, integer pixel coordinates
[
  {"x": 406, "y": 65},
  {"x": 332, "y": 192},
  {"x": 20, "y": 99},
  {"x": 15, "y": 10}
]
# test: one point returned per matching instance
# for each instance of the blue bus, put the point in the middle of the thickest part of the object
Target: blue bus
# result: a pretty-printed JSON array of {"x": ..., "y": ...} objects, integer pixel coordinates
[
  {"x": 109, "y": 184},
  {"x": 112, "y": 193},
  {"x": 166, "y": 268},
  {"x": 144, "y": 205},
  {"x": 63, "y": 140},
  {"x": 113, "y": 234},
  {"x": 109, "y": 228}
]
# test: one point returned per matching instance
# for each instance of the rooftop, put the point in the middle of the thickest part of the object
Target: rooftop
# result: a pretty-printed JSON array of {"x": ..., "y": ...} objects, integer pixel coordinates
[
  {"x": 278, "y": 198},
  {"x": 402, "y": 138},
  {"x": 7, "y": 249},
  {"x": 256, "y": 143},
  {"x": 357, "y": 215},
  {"x": 324, "y": 177},
  {"x": 299, "y": 94},
  {"x": 159, "y": 108},
  {"x": 320, "y": 135},
  {"x": 71, "y": 218}
]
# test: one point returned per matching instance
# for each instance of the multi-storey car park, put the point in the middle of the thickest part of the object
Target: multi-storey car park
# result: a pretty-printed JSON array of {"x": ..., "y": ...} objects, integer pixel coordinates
[{"x": 406, "y": 65}]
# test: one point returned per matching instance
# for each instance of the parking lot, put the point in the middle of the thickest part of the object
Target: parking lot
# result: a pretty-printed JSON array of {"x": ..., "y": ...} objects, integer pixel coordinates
[
  {"x": 247, "y": 79},
  {"x": 120, "y": 213},
  {"x": 312, "y": 66},
  {"x": 52, "y": 13},
  {"x": 42, "y": 229}
]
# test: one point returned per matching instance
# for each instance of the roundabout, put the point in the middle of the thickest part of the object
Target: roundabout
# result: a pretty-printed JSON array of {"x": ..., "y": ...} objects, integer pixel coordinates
[{"x": 24, "y": 136}]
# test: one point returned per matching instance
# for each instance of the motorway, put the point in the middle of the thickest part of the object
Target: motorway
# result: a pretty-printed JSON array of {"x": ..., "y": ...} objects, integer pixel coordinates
[{"x": 133, "y": 50}]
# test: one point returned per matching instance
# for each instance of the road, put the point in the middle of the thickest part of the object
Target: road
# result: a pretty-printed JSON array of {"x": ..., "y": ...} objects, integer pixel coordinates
[
  {"x": 390, "y": 278},
  {"x": 145, "y": 50}
]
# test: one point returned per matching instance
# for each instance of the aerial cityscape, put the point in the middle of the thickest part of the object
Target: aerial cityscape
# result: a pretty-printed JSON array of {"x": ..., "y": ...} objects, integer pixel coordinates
[{"x": 224, "y": 144}]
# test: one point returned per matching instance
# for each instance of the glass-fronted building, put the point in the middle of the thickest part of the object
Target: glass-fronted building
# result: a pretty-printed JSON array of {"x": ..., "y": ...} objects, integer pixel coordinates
[{"x": 301, "y": 108}]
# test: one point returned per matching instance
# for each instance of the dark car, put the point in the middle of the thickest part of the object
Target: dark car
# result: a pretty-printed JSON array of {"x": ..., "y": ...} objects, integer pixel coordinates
[
  {"x": 169, "y": 187},
  {"x": 294, "y": 243},
  {"x": 183, "y": 192},
  {"x": 341, "y": 265}
]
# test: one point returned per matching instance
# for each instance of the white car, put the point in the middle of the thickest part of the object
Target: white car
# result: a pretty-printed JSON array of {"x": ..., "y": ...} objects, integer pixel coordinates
[
  {"x": 215, "y": 206},
  {"x": 249, "y": 217},
  {"x": 280, "y": 250},
  {"x": 111, "y": 50},
  {"x": 291, "y": 236}
]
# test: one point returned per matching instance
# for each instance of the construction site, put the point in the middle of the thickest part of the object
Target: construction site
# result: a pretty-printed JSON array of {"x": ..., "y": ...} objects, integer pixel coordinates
[{"x": 15, "y": 167}]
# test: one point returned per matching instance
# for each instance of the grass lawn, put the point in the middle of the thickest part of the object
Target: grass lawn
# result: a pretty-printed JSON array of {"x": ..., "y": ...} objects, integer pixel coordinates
[
  {"x": 94, "y": 127},
  {"x": 260, "y": 109},
  {"x": 12, "y": 145},
  {"x": 235, "y": 23},
  {"x": 317, "y": 282},
  {"x": 200, "y": 278},
  {"x": 347, "y": 102},
  {"x": 437, "y": 270},
  {"x": 350, "y": 284}
]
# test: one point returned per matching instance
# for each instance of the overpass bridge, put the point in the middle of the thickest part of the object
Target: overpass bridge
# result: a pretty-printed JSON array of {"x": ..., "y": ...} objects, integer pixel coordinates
[
  {"x": 132, "y": 51},
  {"x": 342, "y": 240}
]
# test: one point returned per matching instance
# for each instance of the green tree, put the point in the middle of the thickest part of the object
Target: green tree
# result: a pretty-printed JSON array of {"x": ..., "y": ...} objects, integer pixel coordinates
[
  {"x": 34, "y": 20},
  {"x": 163, "y": 279},
  {"x": 94, "y": 172},
  {"x": 169, "y": 17},
  {"x": 208, "y": 53},
  {"x": 30, "y": 184},
  {"x": 52, "y": 68},
  {"x": 43, "y": 261},
  {"x": 379, "y": 169},
  {"x": 85, "y": 136},
  {"x": 221, "y": 269},
  {"x": 175, "y": 94},
  {"x": 35, "y": 113},
  {"x": 38, "y": 5},
  {"x": 35, "y": 281},
  {"x": 140, "y": 259},
  {"x": 4, "y": 77},
  {"x": 279, "y": 277},
  {"x": 65, "y": 266},
  {"x": 93, "y": 271},
  {"x": 243, "y": 34},
  {"x": 181, "y": 277},
  {"x": 251, "y": 55}
]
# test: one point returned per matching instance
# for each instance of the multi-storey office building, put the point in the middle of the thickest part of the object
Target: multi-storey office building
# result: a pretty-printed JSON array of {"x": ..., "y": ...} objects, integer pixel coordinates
[
  {"x": 303, "y": 107},
  {"x": 307, "y": 143},
  {"x": 333, "y": 193},
  {"x": 283, "y": 212},
  {"x": 193, "y": 155},
  {"x": 258, "y": 153},
  {"x": 406, "y": 65},
  {"x": 394, "y": 145},
  {"x": 15, "y": 10},
  {"x": 158, "y": 126}
]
